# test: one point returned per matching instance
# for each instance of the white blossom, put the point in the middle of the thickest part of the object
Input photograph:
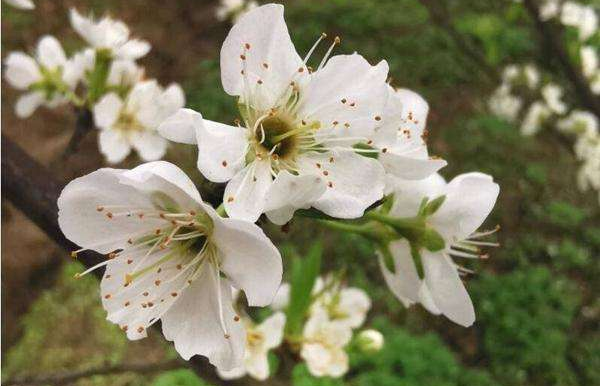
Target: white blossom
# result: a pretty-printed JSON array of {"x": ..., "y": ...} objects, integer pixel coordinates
[
  {"x": 234, "y": 9},
  {"x": 21, "y": 4},
  {"x": 469, "y": 198},
  {"x": 171, "y": 257},
  {"x": 347, "y": 306},
  {"x": 46, "y": 77},
  {"x": 133, "y": 122},
  {"x": 580, "y": 123},
  {"x": 295, "y": 147},
  {"x": 589, "y": 61},
  {"x": 535, "y": 117},
  {"x": 549, "y": 9},
  {"x": 260, "y": 338},
  {"x": 582, "y": 17},
  {"x": 552, "y": 94},
  {"x": 504, "y": 104},
  {"x": 323, "y": 346},
  {"x": 109, "y": 34}
]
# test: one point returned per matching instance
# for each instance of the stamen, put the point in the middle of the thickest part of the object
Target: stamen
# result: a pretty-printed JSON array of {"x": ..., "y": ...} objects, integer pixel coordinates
[
  {"x": 102, "y": 264},
  {"x": 336, "y": 41},
  {"x": 314, "y": 47},
  {"x": 219, "y": 299}
]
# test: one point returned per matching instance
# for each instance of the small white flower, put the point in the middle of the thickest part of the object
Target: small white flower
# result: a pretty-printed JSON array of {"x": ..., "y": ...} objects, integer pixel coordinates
[
  {"x": 346, "y": 306},
  {"x": 370, "y": 340},
  {"x": 504, "y": 104},
  {"x": 532, "y": 75},
  {"x": 552, "y": 94},
  {"x": 259, "y": 340},
  {"x": 295, "y": 146},
  {"x": 469, "y": 199},
  {"x": 582, "y": 17},
  {"x": 168, "y": 252},
  {"x": 21, "y": 4},
  {"x": 45, "y": 77},
  {"x": 549, "y": 9},
  {"x": 323, "y": 345},
  {"x": 580, "y": 123},
  {"x": 109, "y": 34},
  {"x": 510, "y": 73},
  {"x": 589, "y": 61},
  {"x": 133, "y": 122},
  {"x": 534, "y": 118}
]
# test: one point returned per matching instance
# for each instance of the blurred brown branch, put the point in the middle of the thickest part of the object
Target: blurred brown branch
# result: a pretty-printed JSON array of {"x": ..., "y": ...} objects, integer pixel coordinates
[
  {"x": 552, "y": 40},
  {"x": 83, "y": 125},
  {"x": 66, "y": 377},
  {"x": 439, "y": 14},
  {"x": 34, "y": 191}
]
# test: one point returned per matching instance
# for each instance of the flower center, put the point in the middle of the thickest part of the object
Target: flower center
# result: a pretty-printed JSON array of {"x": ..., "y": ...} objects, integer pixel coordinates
[{"x": 128, "y": 123}]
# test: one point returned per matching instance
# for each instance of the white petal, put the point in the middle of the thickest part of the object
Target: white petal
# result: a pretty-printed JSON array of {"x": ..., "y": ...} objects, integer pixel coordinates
[
  {"x": 164, "y": 177},
  {"x": 249, "y": 259},
  {"x": 408, "y": 194},
  {"x": 80, "y": 221},
  {"x": 50, "y": 53},
  {"x": 221, "y": 150},
  {"x": 21, "y": 70},
  {"x": 266, "y": 33},
  {"x": 245, "y": 194},
  {"x": 133, "y": 49},
  {"x": 289, "y": 193},
  {"x": 114, "y": 147},
  {"x": 426, "y": 300},
  {"x": 447, "y": 290},
  {"x": 469, "y": 200},
  {"x": 28, "y": 103},
  {"x": 354, "y": 182},
  {"x": 257, "y": 365},
  {"x": 181, "y": 127},
  {"x": 348, "y": 90},
  {"x": 82, "y": 25},
  {"x": 171, "y": 100},
  {"x": 193, "y": 324},
  {"x": 21, "y": 4},
  {"x": 404, "y": 282},
  {"x": 107, "y": 110},
  {"x": 410, "y": 168},
  {"x": 414, "y": 110},
  {"x": 272, "y": 330},
  {"x": 149, "y": 145},
  {"x": 282, "y": 297},
  {"x": 355, "y": 304},
  {"x": 232, "y": 374}
]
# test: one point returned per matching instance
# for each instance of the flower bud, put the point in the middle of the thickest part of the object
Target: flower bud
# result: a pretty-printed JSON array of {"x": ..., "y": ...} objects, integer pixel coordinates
[{"x": 370, "y": 340}]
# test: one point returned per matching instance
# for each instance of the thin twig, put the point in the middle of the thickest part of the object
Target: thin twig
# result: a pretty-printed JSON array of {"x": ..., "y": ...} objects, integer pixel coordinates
[
  {"x": 552, "y": 39},
  {"x": 66, "y": 377},
  {"x": 83, "y": 125}
]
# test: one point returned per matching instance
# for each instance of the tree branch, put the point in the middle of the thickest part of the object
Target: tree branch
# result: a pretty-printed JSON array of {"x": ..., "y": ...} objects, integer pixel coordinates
[
  {"x": 34, "y": 191},
  {"x": 83, "y": 125},
  {"x": 552, "y": 40},
  {"x": 67, "y": 377}
]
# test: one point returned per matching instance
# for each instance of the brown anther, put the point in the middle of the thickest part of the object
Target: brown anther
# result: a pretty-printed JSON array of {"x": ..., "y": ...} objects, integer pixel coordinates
[
  {"x": 157, "y": 232},
  {"x": 369, "y": 142},
  {"x": 140, "y": 329},
  {"x": 378, "y": 118},
  {"x": 303, "y": 122},
  {"x": 157, "y": 283},
  {"x": 124, "y": 328},
  {"x": 150, "y": 304},
  {"x": 242, "y": 72},
  {"x": 247, "y": 46},
  {"x": 129, "y": 261},
  {"x": 230, "y": 199},
  {"x": 162, "y": 215},
  {"x": 352, "y": 104},
  {"x": 301, "y": 69},
  {"x": 224, "y": 163},
  {"x": 179, "y": 266},
  {"x": 226, "y": 336},
  {"x": 318, "y": 165},
  {"x": 243, "y": 57},
  {"x": 107, "y": 276},
  {"x": 112, "y": 255},
  {"x": 265, "y": 65},
  {"x": 77, "y": 276},
  {"x": 384, "y": 150},
  {"x": 99, "y": 208},
  {"x": 275, "y": 156},
  {"x": 335, "y": 123},
  {"x": 192, "y": 212},
  {"x": 310, "y": 69},
  {"x": 346, "y": 125},
  {"x": 127, "y": 304},
  {"x": 344, "y": 100},
  {"x": 128, "y": 279},
  {"x": 144, "y": 305},
  {"x": 337, "y": 40},
  {"x": 109, "y": 214},
  {"x": 259, "y": 81},
  {"x": 141, "y": 216},
  {"x": 107, "y": 296},
  {"x": 129, "y": 241},
  {"x": 189, "y": 282},
  {"x": 174, "y": 294},
  {"x": 159, "y": 270},
  {"x": 331, "y": 159},
  {"x": 325, "y": 173},
  {"x": 330, "y": 184},
  {"x": 145, "y": 293},
  {"x": 254, "y": 179},
  {"x": 236, "y": 318}
]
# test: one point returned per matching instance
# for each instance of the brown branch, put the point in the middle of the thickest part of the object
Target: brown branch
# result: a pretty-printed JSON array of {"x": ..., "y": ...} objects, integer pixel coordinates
[
  {"x": 439, "y": 14},
  {"x": 67, "y": 377},
  {"x": 552, "y": 40},
  {"x": 34, "y": 191},
  {"x": 83, "y": 125}
]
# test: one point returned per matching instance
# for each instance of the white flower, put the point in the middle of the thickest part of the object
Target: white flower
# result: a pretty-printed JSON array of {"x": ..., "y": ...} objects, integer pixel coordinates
[
  {"x": 552, "y": 94},
  {"x": 469, "y": 198},
  {"x": 404, "y": 152},
  {"x": 549, "y": 9},
  {"x": 124, "y": 73},
  {"x": 347, "y": 306},
  {"x": 167, "y": 253},
  {"x": 259, "y": 340},
  {"x": 234, "y": 9},
  {"x": 323, "y": 345},
  {"x": 532, "y": 75},
  {"x": 510, "y": 73},
  {"x": 133, "y": 122},
  {"x": 295, "y": 146},
  {"x": 108, "y": 34},
  {"x": 504, "y": 104},
  {"x": 580, "y": 123},
  {"x": 534, "y": 118},
  {"x": 21, "y": 4},
  {"x": 370, "y": 340},
  {"x": 589, "y": 61},
  {"x": 582, "y": 17},
  {"x": 45, "y": 77}
]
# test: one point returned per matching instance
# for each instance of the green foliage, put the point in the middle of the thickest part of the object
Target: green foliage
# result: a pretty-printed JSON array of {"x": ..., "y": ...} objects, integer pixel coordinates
[
  {"x": 586, "y": 358},
  {"x": 410, "y": 360},
  {"x": 564, "y": 215},
  {"x": 569, "y": 255},
  {"x": 204, "y": 93},
  {"x": 182, "y": 377},
  {"x": 525, "y": 317},
  {"x": 304, "y": 274},
  {"x": 301, "y": 377}
]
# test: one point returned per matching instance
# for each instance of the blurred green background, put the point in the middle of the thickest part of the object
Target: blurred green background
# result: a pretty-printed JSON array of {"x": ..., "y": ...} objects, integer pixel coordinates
[{"x": 537, "y": 315}]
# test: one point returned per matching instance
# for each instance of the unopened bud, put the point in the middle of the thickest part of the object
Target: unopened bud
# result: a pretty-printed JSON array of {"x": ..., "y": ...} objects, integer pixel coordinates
[
  {"x": 370, "y": 340},
  {"x": 433, "y": 241}
]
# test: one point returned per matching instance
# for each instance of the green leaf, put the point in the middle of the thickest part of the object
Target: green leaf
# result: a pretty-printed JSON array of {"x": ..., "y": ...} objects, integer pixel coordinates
[{"x": 304, "y": 274}]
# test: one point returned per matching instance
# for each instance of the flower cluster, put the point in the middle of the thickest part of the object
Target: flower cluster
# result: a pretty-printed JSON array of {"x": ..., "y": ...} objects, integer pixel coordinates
[
  {"x": 333, "y": 141},
  {"x": 523, "y": 97},
  {"x": 102, "y": 77}
]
